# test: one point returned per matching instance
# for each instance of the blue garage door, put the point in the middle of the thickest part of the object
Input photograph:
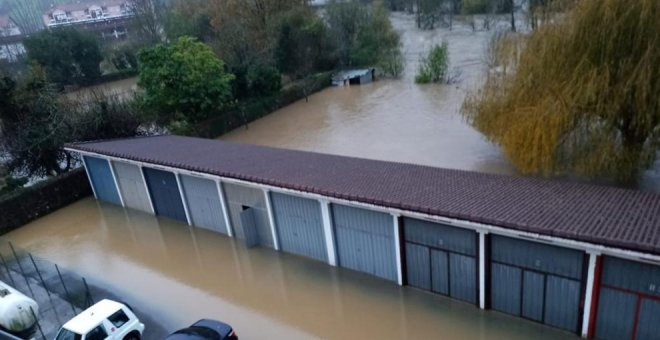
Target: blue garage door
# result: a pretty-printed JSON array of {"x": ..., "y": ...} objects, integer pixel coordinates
[
  {"x": 165, "y": 194},
  {"x": 299, "y": 225},
  {"x": 101, "y": 176},
  {"x": 629, "y": 301},
  {"x": 441, "y": 259},
  {"x": 365, "y": 241},
  {"x": 537, "y": 281}
]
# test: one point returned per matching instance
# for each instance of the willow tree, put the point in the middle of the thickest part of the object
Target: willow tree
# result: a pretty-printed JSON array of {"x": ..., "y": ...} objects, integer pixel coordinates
[{"x": 581, "y": 95}]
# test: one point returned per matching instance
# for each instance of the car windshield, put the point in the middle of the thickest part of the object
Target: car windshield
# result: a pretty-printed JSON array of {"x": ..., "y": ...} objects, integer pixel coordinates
[
  {"x": 195, "y": 332},
  {"x": 65, "y": 334}
]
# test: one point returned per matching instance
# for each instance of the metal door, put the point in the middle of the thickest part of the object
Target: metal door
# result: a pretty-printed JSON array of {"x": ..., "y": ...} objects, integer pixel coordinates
[
  {"x": 165, "y": 194},
  {"x": 204, "y": 204},
  {"x": 439, "y": 272},
  {"x": 562, "y": 302},
  {"x": 506, "y": 283},
  {"x": 616, "y": 314},
  {"x": 533, "y": 293},
  {"x": 648, "y": 326},
  {"x": 101, "y": 177},
  {"x": 299, "y": 225},
  {"x": 463, "y": 277},
  {"x": 365, "y": 241},
  {"x": 537, "y": 281},
  {"x": 249, "y": 228},
  {"x": 418, "y": 262},
  {"x": 629, "y": 300},
  {"x": 132, "y": 187},
  {"x": 441, "y": 258}
]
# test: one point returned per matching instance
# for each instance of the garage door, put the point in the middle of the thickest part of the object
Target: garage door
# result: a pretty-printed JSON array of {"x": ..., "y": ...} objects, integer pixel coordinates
[
  {"x": 441, "y": 259},
  {"x": 537, "y": 281},
  {"x": 101, "y": 178},
  {"x": 299, "y": 225},
  {"x": 365, "y": 241},
  {"x": 249, "y": 204},
  {"x": 165, "y": 194},
  {"x": 629, "y": 301},
  {"x": 131, "y": 185},
  {"x": 204, "y": 204}
]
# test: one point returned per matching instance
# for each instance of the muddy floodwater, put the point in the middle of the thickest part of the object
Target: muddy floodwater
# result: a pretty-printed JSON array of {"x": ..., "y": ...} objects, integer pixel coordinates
[
  {"x": 394, "y": 120},
  {"x": 179, "y": 274}
]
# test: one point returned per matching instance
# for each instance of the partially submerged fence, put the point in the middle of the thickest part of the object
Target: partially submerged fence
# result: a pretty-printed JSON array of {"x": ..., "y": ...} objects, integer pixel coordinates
[{"x": 60, "y": 293}]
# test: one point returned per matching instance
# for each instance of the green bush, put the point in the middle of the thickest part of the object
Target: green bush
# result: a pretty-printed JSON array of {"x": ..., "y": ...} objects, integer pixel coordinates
[
  {"x": 471, "y": 7},
  {"x": 433, "y": 68}
]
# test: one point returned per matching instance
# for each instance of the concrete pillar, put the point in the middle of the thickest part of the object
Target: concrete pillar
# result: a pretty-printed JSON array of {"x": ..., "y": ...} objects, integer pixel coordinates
[
  {"x": 397, "y": 246},
  {"x": 482, "y": 269},
  {"x": 225, "y": 208},
  {"x": 271, "y": 219},
  {"x": 327, "y": 230},
  {"x": 589, "y": 294},
  {"x": 183, "y": 199}
]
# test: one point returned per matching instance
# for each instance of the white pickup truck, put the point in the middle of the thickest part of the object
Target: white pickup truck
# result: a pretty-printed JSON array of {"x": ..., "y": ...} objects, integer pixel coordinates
[{"x": 106, "y": 319}]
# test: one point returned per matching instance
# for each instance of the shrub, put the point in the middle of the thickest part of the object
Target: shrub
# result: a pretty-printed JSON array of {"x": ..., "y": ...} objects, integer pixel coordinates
[{"x": 433, "y": 68}]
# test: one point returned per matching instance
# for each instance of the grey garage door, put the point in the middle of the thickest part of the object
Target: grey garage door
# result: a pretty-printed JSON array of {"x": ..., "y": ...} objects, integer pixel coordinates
[
  {"x": 365, "y": 241},
  {"x": 203, "y": 202},
  {"x": 537, "y": 281},
  {"x": 299, "y": 225},
  {"x": 441, "y": 259},
  {"x": 132, "y": 187},
  {"x": 629, "y": 301},
  {"x": 252, "y": 201}
]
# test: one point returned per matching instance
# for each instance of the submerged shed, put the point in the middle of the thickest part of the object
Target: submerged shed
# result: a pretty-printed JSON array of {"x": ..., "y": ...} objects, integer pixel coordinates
[{"x": 574, "y": 256}]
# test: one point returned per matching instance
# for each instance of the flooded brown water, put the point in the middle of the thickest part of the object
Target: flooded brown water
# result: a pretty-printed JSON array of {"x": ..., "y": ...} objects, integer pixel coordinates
[
  {"x": 179, "y": 274},
  {"x": 394, "y": 120}
]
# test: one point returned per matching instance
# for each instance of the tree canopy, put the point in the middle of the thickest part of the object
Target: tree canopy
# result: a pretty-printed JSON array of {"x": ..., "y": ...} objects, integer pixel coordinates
[
  {"x": 580, "y": 95},
  {"x": 68, "y": 55},
  {"x": 364, "y": 35},
  {"x": 184, "y": 82}
]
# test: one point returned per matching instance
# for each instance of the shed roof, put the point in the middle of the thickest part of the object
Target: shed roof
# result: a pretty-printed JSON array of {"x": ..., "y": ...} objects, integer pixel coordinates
[{"x": 610, "y": 216}]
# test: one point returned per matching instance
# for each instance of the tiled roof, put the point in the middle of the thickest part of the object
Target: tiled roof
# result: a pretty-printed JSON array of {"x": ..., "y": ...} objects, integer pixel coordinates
[{"x": 610, "y": 216}]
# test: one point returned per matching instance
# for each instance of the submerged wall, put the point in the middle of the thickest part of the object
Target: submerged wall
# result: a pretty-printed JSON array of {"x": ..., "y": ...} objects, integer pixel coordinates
[{"x": 28, "y": 204}]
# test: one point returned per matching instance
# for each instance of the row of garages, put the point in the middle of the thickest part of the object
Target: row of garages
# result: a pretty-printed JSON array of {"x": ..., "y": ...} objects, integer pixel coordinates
[{"x": 589, "y": 294}]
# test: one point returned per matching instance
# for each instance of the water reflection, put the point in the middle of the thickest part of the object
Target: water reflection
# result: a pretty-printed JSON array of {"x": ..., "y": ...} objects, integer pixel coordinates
[{"x": 179, "y": 274}]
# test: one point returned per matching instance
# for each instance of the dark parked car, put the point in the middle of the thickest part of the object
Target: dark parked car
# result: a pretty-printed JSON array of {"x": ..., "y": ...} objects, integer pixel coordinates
[{"x": 205, "y": 330}]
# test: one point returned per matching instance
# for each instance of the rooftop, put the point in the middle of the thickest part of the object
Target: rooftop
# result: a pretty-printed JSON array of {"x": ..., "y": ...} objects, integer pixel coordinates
[
  {"x": 92, "y": 316},
  {"x": 621, "y": 218},
  {"x": 83, "y": 5}
]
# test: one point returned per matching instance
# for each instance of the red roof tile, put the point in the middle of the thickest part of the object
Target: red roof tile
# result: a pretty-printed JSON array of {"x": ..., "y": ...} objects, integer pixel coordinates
[{"x": 610, "y": 216}]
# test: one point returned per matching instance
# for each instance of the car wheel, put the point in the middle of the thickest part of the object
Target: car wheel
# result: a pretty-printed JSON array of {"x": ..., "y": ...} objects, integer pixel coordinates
[{"x": 132, "y": 336}]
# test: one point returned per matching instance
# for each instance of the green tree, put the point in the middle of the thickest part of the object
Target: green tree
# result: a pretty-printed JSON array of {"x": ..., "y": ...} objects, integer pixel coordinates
[
  {"x": 34, "y": 127},
  {"x": 364, "y": 35},
  {"x": 434, "y": 68},
  {"x": 184, "y": 82},
  {"x": 69, "y": 56},
  {"x": 580, "y": 94},
  {"x": 303, "y": 44}
]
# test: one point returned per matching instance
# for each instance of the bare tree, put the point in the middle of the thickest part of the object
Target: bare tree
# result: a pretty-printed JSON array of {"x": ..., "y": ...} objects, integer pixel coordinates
[{"x": 147, "y": 15}]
